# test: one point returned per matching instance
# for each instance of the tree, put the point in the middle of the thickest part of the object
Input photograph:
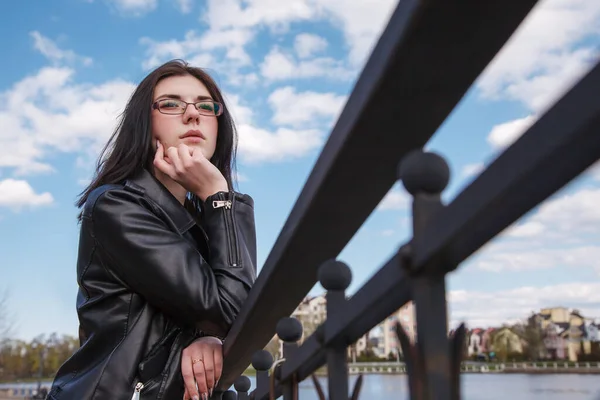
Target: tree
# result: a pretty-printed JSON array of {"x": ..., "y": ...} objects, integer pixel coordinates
[
  {"x": 39, "y": 358},
  {"x": 533, "y": 335}
]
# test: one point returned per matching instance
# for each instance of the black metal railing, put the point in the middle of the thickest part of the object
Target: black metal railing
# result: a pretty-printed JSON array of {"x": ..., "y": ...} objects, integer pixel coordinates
[{"x": 425, "y": 61}]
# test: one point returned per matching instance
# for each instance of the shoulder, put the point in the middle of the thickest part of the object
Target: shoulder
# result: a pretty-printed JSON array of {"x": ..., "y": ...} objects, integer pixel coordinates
[{"x": 111, "y": 199}]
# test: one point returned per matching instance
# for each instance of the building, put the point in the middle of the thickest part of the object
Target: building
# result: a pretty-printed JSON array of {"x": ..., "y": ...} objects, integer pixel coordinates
[{"x": 385, "y": 342}]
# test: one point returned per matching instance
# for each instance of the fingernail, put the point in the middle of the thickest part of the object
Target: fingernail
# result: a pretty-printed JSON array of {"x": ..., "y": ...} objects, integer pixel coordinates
[
  {"x": 205, "y": 396},
  {"x": 194, "y": 397},
  {"x": 210, "y": 393}
]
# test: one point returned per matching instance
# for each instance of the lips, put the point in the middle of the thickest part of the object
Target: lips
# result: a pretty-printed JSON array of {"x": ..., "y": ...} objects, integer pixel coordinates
[{"x": 193, "y": 133}]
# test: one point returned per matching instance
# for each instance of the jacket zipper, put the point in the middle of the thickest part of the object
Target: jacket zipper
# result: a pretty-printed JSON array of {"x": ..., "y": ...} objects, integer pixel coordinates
[
  {"x": 136, "y": 392},
  {"x": 230, "y": 230}
]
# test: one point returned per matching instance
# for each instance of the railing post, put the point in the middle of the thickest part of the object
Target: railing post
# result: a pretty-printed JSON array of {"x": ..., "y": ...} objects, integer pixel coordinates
[
  {"x": 242, "y": 385},
  {"x": 434, "y": 363},
  {"x": 290, "y": 331},
  {"x": 229, "y": 395},
  {"x": 335, "y": 277},
  {"x": 262, "y": 361}
]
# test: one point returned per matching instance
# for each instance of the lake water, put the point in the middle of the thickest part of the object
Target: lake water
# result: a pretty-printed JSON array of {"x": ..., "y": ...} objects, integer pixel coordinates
[
  {"x": 474, "y": 387},
  {"x": 479, "y": 387}
]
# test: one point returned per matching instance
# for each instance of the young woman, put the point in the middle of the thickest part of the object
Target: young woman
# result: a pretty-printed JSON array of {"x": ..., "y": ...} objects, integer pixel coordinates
[{"x": 167, "y": 251}]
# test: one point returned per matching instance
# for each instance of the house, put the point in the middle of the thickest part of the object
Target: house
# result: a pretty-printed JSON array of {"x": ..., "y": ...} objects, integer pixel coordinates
[
  {"x": 385, "y": 332},
  {"x": 566, "y": 333},
  {"x": 474, "y": 343},
  {"x": 592, "y": 330},
  {"x": 554, "y": 340},
  {"x": 506, "y": 342}
]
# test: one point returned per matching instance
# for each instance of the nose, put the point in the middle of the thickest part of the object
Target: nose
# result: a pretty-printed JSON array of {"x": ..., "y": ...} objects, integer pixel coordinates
[{"x": 191, "y": 114}]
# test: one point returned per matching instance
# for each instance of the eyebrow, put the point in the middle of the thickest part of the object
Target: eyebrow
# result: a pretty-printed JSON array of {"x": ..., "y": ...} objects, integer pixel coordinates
[{"x": 178, "y": 97}]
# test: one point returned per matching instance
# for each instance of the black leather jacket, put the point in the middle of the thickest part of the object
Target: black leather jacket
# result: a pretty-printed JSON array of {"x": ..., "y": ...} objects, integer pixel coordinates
[{"x": 151, "y": 280}]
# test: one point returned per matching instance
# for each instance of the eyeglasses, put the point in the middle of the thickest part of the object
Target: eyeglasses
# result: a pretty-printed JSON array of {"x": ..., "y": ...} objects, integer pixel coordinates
[{"x": 174, "y": 107}]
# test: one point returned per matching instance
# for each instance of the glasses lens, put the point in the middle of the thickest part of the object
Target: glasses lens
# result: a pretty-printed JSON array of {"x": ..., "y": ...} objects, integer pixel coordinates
[
  {"x": 170, "y": 106},
  {"x": 208, "y": 107}
]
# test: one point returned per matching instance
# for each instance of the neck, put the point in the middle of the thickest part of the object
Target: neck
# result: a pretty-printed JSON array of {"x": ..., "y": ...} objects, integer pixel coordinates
[{"x": 175, "y": 188}]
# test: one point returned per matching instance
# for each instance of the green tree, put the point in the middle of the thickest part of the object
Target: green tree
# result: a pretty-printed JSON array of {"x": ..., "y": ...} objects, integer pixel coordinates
[
  {"x": 532, "y": 334},
  {"x": 40, "y": 357}
]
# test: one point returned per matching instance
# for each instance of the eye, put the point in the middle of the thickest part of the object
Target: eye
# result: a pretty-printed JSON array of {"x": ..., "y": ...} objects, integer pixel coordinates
[
  {"x": 207, "y": 106},
  {"x": 170, "y": 104}
]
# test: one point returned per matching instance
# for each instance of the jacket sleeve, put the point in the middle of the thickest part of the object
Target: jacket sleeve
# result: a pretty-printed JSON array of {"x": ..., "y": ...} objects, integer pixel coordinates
[{"x": 167, "y": 270}]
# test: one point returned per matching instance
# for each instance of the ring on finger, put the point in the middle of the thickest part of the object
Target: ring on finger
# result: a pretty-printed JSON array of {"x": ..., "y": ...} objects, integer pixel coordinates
[{"x": 197, "y": 360}]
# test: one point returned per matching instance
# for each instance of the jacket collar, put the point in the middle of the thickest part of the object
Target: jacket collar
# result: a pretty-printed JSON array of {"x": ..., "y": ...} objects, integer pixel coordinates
[{"x": 148, "y": 185}]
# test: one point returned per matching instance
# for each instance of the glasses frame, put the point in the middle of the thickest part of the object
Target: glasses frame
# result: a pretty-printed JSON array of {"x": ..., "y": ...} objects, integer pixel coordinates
[{"x": 155, "y": 106}]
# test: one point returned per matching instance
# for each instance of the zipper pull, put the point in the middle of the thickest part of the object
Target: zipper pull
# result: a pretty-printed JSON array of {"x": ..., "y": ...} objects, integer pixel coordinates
[
  {"x": 221, "y": 203},
  {"x": 136, "y": 393}
]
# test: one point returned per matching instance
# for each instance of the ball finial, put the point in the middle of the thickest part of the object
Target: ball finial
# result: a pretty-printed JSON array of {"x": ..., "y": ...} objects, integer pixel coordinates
[
  {"x": 335, "y": 275},
  {"x": 262, "y": 360},
  {"x": 242, "y": 384},
  {"x": 424, "y": 172},
  {"x": 289, "y": 329}
]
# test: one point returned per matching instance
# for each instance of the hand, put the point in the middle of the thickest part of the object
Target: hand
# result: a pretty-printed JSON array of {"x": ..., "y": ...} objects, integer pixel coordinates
[
  {"x": 201, "y": 365},
  {"x": 188, "y": 167}
]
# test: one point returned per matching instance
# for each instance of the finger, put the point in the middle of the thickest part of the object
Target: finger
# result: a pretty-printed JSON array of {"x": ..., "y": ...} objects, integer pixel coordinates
[
  {"x": 209, "y": 369},
  {"x": 175, "y": 160},
  {"x": 200, "y": 375},
  {"x": 218, "y": 357},
  {"x": 184, "y": 153},
  {"x": 188, "y": 377},
  {"x": 186, "y": 395},
  {"x": 160, "y": 163}
]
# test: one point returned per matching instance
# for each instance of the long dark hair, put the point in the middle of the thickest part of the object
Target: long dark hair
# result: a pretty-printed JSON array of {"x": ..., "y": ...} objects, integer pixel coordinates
[{"x": 129, "y": 150}]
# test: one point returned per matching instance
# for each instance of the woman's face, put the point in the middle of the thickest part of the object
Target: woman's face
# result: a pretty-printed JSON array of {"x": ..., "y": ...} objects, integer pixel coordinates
[{"x": 198, "y": 131}]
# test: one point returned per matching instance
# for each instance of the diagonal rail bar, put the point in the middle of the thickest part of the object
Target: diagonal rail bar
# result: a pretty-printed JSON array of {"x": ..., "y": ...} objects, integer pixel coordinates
[
  {"x": 384, "y": 293},
  {"x": 424, "y": 62},
  {"x": 556, "y": 149},
  {"x": 562, "y": 144}
]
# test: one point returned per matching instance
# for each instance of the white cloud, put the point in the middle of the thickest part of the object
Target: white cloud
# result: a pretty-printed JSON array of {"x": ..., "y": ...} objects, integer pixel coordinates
[
  {"x": 53, "y": 53},
  {"x": 546, "y": 54},
  {"x": 562, "y": 233},
  {"x": 527, "y": 229},
  {"x": 260, "y": 145},
  {"x": 361, "y": 22},
  {"x": 308, "y": 44},
  {"x": 305, "y": 108},
  {"x": 185, "y": 6},
  {"x": 201, "y": 50},
  {"x": 473, "y": 169},
  {"x": 134, "y": 8},
  {"x": 226, "y": 14},
  {"x": 48, "y": 112},
  {"x": 502, "y": 258},
  {"x": 578, "y": 212},
  {"x": 278, "y": 65},
  {"x": 505, "y": 134},
  {"x": 397, "y": 198},
  {"x": 491, "y": 309},
  {"x": 16, "y": 194},
  {"x": 241, "y": 113},
  {"x": 541, "y": 62}
]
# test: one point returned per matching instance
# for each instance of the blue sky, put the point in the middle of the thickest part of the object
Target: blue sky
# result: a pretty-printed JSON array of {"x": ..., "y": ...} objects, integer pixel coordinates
[{"x": 287, "y": 69}]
